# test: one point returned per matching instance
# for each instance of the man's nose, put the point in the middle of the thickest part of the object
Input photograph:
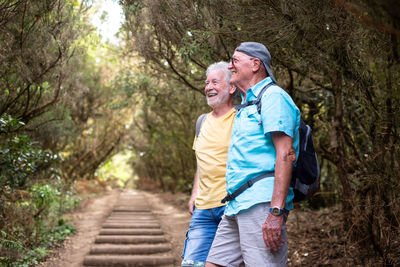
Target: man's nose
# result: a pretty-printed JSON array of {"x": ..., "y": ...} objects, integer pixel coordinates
[{"x": 230, "y": 65}]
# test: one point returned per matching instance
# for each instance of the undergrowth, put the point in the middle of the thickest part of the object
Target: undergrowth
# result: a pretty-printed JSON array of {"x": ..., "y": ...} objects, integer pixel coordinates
[
  {"x": 33, "y": 197},
  {"x": 35, "y": 224}
]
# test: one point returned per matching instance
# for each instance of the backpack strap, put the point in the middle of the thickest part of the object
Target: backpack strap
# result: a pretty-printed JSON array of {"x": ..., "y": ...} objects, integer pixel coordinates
[
  {"x": 246, "y": 185},
  {"x": 256, "y": 101},
  {"x": 199, "y": 122},
  {"x": 250, "y": 183}
]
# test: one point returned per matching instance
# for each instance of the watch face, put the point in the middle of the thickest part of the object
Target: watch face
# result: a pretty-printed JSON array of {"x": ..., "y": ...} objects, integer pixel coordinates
[{"x": 275, "y": 211}]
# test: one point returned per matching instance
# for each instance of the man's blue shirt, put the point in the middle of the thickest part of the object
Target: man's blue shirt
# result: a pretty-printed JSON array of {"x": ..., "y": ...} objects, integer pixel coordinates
[{"x": 251, "y": 151}]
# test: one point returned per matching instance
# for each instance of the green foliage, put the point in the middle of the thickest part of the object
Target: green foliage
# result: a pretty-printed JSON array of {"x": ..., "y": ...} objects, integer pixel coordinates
[
  {"x": 36, "y": 37},
  {"x": 8, "y": 241},
  {"x": 20, "y": 158},
  {"x": 54, "y": 100},
  {"x": 34, "y": 222},
  {"x": 43, "y": 197},
  {"x": 162, "y": 131},
  {"x": 31, "y": 256},
  {"x": 9, "y": 124},
  {"x": 116, "y": 171}
]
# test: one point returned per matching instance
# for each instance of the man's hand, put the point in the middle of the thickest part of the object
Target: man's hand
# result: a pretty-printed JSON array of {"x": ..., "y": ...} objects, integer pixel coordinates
[
  {"x": 272, "y": 229},
  {"x": 191, "y": 204}
]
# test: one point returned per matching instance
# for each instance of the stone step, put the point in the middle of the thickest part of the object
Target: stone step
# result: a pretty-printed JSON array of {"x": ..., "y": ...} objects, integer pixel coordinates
[
  {"x": 127, "y": 260},
  {"x": 122, "y": 239},
  {"x": 130, "y": 209},
  {"x": 132, "y": 217},
  {"x": 130, "y": 231},
  {"x": 131, "y": 221},
  {"x": 132, "y": 225},
  {"x": 130, "y": 236},
  {"x": 127, "y": 213},
  {"x": 129, "y": 249}
]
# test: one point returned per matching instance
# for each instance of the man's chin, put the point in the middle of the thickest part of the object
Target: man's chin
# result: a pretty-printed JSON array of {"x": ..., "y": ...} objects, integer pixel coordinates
[{"x": 212, "y": 104}]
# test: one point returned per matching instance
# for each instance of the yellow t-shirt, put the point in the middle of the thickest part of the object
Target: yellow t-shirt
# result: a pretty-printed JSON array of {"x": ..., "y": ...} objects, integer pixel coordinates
[{"x": 211, "y": 148}]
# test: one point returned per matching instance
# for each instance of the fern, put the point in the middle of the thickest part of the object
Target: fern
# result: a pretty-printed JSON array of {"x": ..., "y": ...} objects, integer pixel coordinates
[{"x": 7, "y": 242}]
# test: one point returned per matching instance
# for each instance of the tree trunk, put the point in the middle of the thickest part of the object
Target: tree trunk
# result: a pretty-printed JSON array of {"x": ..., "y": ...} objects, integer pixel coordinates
[{"x": 337, "y": 144}]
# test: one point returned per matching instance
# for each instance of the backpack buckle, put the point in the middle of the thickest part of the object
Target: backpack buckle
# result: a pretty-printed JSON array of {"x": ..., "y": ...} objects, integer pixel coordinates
[
  {"x": 228, "y": 198},
  {"x": 249, "y": 183}
]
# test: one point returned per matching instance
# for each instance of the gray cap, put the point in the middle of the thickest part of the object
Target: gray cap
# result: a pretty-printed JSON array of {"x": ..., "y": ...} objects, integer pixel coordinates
[{"x": 259, "y": 51}]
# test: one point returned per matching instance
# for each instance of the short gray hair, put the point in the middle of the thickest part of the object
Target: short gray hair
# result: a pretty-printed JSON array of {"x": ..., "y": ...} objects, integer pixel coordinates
[{"x": 222, "y": 65}]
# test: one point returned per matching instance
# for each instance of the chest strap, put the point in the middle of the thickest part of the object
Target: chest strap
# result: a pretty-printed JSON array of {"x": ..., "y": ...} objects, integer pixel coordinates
[{"x": 249, "y": 183}]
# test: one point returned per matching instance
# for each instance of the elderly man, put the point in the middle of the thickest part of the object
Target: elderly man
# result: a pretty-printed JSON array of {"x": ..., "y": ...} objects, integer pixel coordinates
[
  {"x": 211, "y": 147},
  {"x": 263, "y": 149}
]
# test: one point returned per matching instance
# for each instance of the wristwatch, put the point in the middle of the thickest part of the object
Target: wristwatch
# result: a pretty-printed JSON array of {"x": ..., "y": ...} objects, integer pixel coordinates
[{"x": 276, "y": 211}]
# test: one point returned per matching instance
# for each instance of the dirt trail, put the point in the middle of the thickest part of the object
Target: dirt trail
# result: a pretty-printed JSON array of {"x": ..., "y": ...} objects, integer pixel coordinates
[
  {"x": 313, "y": 235},
  {"x": 122, "y": 227}
]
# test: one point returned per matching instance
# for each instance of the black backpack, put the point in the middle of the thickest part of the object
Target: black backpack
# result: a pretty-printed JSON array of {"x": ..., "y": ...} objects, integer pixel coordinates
[{"x": 305, "y": 176}]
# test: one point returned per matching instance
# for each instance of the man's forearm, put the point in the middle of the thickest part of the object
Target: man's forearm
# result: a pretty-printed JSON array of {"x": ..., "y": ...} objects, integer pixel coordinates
[
  {"x": 285, "y": 157},
  {"x": 283, "y": 173}
]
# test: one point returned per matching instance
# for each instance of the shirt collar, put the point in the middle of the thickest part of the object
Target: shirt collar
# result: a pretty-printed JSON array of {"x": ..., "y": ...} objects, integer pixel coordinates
[{"x": 253, "y": 91}]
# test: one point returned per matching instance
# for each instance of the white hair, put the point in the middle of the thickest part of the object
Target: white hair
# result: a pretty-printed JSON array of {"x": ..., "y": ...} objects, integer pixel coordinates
[{"x": 222, "y": 65}]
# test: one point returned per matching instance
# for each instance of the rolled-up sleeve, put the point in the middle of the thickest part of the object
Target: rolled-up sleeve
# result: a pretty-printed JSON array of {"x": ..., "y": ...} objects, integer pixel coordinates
[{"x": 278, "y": 114}]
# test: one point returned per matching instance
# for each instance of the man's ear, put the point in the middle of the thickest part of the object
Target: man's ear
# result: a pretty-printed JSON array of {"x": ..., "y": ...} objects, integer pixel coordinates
[
  {"x": 256, "y": 64},
  {"x": 232, "y": 89}
]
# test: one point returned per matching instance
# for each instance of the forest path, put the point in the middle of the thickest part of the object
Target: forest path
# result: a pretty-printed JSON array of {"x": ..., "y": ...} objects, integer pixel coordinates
[
  {"x": 313, "y": 235},
  {"x": 125, "y": 227}
]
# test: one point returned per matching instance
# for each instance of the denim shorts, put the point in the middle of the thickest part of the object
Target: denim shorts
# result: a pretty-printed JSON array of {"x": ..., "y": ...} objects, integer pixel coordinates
[{"x": 200, "y": 235}]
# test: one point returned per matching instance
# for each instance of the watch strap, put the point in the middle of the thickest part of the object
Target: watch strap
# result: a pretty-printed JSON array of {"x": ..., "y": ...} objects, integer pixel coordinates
[{"x": 272, "y": 209}]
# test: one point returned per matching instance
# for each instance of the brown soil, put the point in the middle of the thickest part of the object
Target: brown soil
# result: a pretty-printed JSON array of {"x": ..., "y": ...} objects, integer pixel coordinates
[{"x": 314, "y": 236}]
